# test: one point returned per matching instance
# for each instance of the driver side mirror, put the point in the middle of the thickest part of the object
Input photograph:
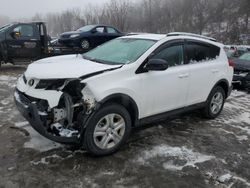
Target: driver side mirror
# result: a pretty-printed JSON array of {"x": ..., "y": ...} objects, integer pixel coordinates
[
  {"x": 15, "y": 34},
  {"x": 156, "y": 65}
]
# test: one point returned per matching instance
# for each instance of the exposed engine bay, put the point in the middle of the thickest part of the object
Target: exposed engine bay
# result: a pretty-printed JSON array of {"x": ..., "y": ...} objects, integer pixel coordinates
[{"x": 67, "y": 118}]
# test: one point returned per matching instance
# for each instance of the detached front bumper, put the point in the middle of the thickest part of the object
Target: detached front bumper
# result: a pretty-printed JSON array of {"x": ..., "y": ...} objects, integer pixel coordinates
[{"x": 39, "y": 120}]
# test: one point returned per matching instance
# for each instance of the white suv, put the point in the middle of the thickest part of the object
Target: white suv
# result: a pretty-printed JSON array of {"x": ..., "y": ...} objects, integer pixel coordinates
[{"x": 96, "y": 98}]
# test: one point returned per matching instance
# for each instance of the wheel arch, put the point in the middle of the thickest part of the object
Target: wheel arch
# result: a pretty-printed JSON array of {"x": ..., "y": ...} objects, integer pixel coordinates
[
  {"x": 125, "y": 101},
  {"x": 225, "y": 86}
]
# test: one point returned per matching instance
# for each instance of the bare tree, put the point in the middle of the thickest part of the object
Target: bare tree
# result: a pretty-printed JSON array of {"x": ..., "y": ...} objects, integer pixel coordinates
[{"x": 223, "y": 19}]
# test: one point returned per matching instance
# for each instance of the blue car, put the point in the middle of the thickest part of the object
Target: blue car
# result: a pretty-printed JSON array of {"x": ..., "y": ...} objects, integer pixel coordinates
[{"x": 89, "y": 36}]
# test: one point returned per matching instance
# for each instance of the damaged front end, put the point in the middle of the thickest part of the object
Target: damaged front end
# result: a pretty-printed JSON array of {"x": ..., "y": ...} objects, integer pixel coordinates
[{"x": 62, "y": 121}]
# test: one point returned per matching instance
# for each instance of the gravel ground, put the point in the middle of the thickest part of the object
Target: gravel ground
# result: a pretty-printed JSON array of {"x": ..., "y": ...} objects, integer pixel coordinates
[{"x": 185, "y": 152}]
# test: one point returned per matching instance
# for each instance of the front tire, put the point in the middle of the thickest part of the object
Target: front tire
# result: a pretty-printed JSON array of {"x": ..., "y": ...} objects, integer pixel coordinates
[
  {"x": 107, "y": 130},
  {"x": 215, "y": 103},
  {"x": 85, "y": 44}
]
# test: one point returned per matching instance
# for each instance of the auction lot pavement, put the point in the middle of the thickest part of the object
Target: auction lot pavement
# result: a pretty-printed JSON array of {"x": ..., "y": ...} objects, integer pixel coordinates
[{"x": 186, "y": 152}]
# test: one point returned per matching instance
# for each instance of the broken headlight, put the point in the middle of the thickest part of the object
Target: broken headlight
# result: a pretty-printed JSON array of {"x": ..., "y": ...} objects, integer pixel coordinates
[{"x": 50, "y": 84}]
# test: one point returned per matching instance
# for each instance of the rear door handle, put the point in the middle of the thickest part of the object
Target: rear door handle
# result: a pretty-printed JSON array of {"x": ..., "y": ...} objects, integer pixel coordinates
[
  {"x": 215, "y": 70},
  {"x": 183, "y": 75}
]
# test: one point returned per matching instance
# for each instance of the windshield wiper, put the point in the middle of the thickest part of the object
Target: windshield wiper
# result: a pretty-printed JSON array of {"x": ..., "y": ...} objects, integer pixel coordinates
[
  {"x": 101, "y": 61},
  {"x": 91, "y": 59}
]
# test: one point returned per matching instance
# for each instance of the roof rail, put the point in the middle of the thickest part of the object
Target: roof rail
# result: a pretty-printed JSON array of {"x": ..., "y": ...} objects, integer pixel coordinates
[{"x": 191, "y": 35}]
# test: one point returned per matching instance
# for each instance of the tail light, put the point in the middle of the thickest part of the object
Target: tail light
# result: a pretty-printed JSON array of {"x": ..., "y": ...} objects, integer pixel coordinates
[{"x": 231, "y": 63}]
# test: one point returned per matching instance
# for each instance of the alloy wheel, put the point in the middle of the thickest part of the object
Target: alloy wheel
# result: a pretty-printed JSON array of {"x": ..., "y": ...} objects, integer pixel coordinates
[
  {"x": 109, "y": 131},
  {"x": 216, "y": 103}
]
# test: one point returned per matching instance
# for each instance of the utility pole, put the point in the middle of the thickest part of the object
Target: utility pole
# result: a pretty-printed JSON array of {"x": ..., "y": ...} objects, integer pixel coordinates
[{"x": 150, "y": 16}]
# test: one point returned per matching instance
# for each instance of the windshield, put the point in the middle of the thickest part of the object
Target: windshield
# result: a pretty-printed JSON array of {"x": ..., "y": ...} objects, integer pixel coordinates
[
  {"x": 119, "y": 51},
  {"x": 86, "y": 28},
  {"x": 245, "y": 56},
  {"x": 4, "y": 28}
]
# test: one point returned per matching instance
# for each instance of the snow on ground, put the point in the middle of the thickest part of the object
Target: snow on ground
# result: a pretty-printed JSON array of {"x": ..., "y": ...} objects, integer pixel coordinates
[
  {"x": 224, "y": 178},
  {"x": 5, "y": 78},
  {"x": 184, "y": 157},
  {"x": 37, "y": 142},
  {"x": 8, "y": 80},
  {"x": 239, "y": 121}
]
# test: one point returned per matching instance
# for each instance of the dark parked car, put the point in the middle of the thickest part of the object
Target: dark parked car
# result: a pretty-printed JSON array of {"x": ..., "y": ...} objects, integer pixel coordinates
[
  {"x": 242, "y": 70},
  {"x": 89, "y": 36}
]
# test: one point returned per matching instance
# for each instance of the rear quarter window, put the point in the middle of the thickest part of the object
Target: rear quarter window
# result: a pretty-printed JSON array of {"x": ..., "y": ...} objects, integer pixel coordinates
[{"x": 201, "y": 52}]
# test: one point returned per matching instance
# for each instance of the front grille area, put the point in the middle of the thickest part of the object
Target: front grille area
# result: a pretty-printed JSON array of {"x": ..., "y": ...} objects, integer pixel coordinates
[
  {"x": 27, "y": 100},
  {"x": 23, "y": 98}
]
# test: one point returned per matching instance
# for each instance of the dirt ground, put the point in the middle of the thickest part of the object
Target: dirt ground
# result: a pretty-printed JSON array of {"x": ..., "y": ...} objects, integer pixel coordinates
[{"x": 186, "y": 152}]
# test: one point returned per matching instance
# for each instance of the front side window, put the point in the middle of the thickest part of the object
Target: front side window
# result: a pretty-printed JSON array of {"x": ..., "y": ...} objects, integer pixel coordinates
[
  {"x": 25, "y": 30},
  {"x": 119, "y": 51},
  {"x": 173, "y": 55},
  {"x": 111, "y": 30},
  {"x": 100, "y": 29},
  {"x": 197, "y": 53}
]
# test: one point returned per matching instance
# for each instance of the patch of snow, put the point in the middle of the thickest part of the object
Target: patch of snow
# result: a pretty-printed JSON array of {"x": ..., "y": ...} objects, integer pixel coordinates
[
  {"x": 187, "y": 156},
  {"x": 37, "y": 141},
  {"x": 242, "y": 180},
  {"x": 5, "y": 102},
  {"x": 45, "y": 160},
  {"x": 245, "y": 129},
  {"x": 109, "y": 173},
  {"x": 224, "y": 178},
  {"x": 11, "y": 168},
  {"x": 7, "y": 78},
  {"x": 242, "y": 138},
  {"x": 21, "y": 124}
]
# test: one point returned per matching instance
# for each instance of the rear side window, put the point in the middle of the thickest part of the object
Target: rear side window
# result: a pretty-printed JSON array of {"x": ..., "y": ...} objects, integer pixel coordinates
[
  {"x": 111, "y": 30},
  {"x": 199, "y": 52}
]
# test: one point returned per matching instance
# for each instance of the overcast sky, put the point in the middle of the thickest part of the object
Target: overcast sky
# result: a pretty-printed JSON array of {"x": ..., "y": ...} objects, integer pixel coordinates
[{"x": 26, "y": 8}]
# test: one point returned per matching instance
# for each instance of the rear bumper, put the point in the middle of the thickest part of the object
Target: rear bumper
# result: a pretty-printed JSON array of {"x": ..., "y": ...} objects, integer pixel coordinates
[{"x": 38, "y": 120}]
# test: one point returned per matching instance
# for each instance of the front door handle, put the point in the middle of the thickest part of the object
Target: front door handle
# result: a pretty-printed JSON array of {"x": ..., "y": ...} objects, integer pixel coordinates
[{"x": 183, "y": 75}]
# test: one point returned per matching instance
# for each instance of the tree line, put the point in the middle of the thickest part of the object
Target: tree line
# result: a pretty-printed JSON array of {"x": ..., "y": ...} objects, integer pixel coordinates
[{"x": 227, "y": 20}]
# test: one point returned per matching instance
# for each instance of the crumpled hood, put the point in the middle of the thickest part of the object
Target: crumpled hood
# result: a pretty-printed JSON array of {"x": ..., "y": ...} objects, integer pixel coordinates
[{"x": 66, "y": 66}]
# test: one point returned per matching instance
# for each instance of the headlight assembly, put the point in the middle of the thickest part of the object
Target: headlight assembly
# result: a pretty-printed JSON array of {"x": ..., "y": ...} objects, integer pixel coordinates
[
  {"x": 74, "y": 35},
  {"x": 50, "y": 84}
]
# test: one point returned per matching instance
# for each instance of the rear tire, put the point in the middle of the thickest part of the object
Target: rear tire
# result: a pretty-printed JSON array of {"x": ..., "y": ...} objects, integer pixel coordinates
[
  {"x": 215, "y": 103},
  {"x": 107, "y": 130}
]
